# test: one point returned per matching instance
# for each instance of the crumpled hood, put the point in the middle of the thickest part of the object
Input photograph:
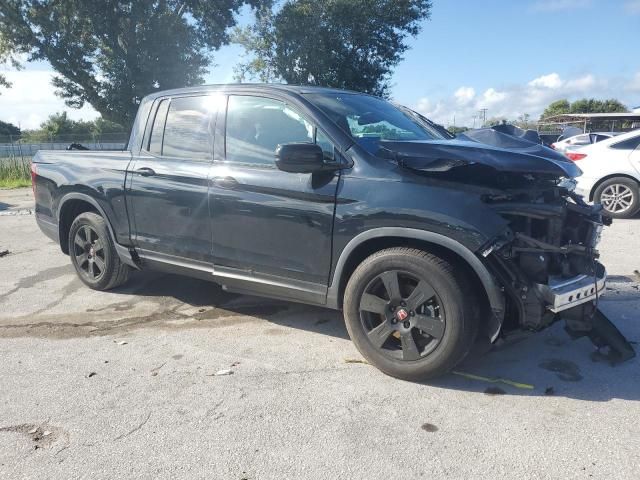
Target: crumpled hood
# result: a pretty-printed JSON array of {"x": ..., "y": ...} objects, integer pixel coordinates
[{"x": 488, "y": 147}]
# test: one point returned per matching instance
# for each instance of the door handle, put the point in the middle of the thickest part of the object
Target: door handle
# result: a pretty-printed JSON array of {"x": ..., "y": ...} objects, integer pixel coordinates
[
  {"x": 227, "y": 183},
  {"x": 146, "y": 172}
]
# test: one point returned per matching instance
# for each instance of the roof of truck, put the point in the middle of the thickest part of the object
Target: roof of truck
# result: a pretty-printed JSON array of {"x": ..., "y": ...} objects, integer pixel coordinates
[{"x": 298, "y": 89}]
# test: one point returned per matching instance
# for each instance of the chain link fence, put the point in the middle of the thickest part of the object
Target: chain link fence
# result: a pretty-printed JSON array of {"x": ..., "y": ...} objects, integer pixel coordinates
[{"x": 24, "y": 147}]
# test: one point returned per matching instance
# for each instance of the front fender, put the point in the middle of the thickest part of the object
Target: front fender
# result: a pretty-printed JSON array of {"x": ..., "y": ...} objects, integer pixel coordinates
[{"x": 493, "y": 291}]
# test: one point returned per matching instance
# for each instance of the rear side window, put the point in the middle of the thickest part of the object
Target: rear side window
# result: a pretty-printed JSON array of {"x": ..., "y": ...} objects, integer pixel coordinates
[
  {"x": 579, "y": 140},
  {"x": 155, "y": 141},
  {"x": 189, "y": 128},
  {"x": 628, "y": 144}
]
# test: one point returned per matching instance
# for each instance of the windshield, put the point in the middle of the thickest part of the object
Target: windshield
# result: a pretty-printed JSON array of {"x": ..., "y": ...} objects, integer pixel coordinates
[{"x": 370, "y": 120}]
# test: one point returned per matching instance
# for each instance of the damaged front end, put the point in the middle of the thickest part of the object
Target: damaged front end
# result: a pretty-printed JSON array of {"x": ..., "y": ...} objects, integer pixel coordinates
[
  {"x": 547, "y": 263},
  {"x": 546, "y": 258}
]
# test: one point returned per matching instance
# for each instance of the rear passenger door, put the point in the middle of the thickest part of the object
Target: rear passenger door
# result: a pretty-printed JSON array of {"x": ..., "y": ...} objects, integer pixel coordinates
[
  {"x": 271, "y": 228},
  {"x": 167, "y": 194}
]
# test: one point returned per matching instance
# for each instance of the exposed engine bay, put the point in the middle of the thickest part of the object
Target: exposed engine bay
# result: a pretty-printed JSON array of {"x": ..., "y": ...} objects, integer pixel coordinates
[
  {"x": 547, "y": 262},
  {"x": 546, "y": 259}
]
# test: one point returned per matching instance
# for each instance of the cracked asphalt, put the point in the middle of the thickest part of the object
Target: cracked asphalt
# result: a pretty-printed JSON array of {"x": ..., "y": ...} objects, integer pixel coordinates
[{"x": 123, "y": 384}]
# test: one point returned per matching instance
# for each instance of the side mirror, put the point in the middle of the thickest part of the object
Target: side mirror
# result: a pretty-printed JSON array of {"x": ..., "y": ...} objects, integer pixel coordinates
[{"x": 300, "y": 158}]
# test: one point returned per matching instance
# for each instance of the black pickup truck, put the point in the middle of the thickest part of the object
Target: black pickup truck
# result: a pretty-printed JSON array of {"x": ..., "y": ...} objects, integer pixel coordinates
[{"x": 338, "y": 199}]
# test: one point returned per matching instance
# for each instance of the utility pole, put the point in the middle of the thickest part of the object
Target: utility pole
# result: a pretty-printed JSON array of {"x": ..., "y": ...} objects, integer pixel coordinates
[{"x": 483, "y": 115}]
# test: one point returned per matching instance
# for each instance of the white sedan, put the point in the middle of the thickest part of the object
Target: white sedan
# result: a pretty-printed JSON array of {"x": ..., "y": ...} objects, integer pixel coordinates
[
  {"x": 611, "y": 173},
  {"x": 582, "y": 140}
]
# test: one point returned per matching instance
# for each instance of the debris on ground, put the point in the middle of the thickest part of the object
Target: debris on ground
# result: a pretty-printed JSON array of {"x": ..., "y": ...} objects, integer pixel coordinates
[
  {"x": 506, "y": 381},
  {"x": 429, "y": 427},
  {"x": 4, "y": 253},
  {"x": 637, "y": 274},
  {"x": 356, "y": 360},
  {"x": 494, "y": 391},
  {"x": 121, "y": 342},
  {"x": 154, "y": 371},
  {"x": 42, "y": 436},
  {"x": 92, "y": 374},
  {"x": 221, "y": 373}
]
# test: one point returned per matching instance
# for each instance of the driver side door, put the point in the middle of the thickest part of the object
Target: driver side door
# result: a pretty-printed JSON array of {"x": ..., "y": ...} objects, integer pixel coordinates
[{"x": 271, "y": 229}]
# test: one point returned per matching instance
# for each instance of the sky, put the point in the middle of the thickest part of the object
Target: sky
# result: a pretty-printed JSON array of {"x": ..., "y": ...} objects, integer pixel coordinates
[{"x": 510, "y": 57}]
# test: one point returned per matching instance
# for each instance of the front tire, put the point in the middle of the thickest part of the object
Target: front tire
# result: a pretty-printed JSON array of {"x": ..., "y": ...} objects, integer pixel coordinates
[
  {"x": 409, "y": 314},
  {"x": 619, "y": 196},
  {"x": 93, "y": 253}
]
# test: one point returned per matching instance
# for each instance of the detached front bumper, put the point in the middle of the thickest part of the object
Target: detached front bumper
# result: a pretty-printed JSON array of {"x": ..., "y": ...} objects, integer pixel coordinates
[{"x": 565, "y": 293}]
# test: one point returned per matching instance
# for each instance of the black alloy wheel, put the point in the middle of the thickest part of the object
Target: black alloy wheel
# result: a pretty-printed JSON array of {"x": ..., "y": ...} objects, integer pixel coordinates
[
  {"x": 93, "y": 253},
  {"x": 89, "y": 253},
  {"x": 402, "y": 315},
  {"x": 410, "y": 313}
]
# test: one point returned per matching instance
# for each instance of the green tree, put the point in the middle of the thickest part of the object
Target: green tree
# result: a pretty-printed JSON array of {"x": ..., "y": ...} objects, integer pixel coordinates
[
  {"x": 101, "y": 126},
  {"x": 110, "y": 53},
  {"x": 59, "y": 125},
  {"x": 556, "y": 108},
  {"x": 8, "y": 129},
  {"x": 524, "y": 121},
  {"x": 591, "y": 105},
  {"x": 351, "y": 44},
  {"x": 6, "y": 57},
  {"x": 584, "y": 105}
]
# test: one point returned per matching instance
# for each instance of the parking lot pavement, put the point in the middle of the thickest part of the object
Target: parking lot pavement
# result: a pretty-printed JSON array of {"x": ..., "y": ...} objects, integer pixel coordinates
[{"x": 124, "y": 385}]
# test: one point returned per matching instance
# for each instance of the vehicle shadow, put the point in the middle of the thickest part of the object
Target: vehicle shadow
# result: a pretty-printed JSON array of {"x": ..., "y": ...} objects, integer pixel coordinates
[
  {"x": 4, "y": 206},
  {"x": 200, "y": 293},
  {"x": 547, "y": 363}
]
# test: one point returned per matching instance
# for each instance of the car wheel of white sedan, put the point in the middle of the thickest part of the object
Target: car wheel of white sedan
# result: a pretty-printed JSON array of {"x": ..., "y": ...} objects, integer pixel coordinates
[{"x": 619, "y": 196}]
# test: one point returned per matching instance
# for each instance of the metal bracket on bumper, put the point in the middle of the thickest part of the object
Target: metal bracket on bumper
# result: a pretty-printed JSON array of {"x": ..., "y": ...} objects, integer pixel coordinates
[{"x": 565, "y": 293}]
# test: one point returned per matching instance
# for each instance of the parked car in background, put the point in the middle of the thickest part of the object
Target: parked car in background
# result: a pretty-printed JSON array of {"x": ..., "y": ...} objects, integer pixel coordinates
[
  {"x": 582, "y": 140},
  {"x": 611, "y": 173}
]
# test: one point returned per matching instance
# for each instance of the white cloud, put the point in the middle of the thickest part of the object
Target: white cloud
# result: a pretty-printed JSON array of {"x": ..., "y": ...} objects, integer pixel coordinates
[
  {"x": 559, "y": 5},
  {"x": 31, "y": 100},
  {"x": 546, "y": 81},
  {"x": 632, "y": 6},
  {"x": 492, "y": 97},
  {"x": 530, "y": 97},
  {"x": 584, "y": 83},
  {"x": 464, "y": 95}
]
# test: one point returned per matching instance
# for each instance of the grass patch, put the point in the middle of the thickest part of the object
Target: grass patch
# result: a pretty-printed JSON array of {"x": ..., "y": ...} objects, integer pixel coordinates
[
  {"x": 15, "y": 172},
  {"x": 14, "y": 183}
]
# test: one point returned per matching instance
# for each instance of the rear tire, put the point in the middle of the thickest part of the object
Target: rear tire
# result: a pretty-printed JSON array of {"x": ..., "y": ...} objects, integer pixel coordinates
[
  {"x": 409, "y": 314},
  {"x": 93, "y": 253},
  {"x": 619, "y": 196}
]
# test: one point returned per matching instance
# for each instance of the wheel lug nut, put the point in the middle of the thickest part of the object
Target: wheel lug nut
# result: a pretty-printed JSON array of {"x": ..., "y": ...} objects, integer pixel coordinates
[
  {"x": 412, "y": 313},
  {"x": 407, "y": 324}
]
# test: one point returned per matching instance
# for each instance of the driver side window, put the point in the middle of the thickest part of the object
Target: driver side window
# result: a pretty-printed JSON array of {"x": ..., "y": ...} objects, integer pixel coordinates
[{"x": 256, "y": 126}]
